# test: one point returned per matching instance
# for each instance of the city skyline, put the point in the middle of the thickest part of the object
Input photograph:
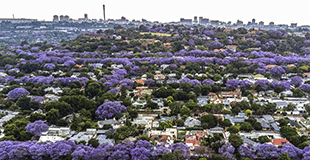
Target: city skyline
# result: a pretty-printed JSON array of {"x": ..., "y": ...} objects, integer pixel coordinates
[{"x": 162, "y": 11}]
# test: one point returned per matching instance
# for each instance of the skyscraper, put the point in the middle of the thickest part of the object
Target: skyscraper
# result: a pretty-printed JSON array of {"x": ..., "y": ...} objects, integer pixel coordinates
[
  {"x": 195, "y": 19},
  {"x": 62, "y": 18},
  {"x": 86, "y": 16},
  {"x": 55, "y": 18},
  {"x": 104, "y": 12},
  {"x": 253, "y": 21}
]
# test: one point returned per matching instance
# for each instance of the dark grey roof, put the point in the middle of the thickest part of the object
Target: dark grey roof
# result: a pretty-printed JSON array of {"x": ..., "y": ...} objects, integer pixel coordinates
[{"x": 275, "y": 127}]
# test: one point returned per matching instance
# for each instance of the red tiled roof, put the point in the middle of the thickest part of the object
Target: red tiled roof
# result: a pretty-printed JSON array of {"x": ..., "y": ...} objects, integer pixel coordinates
[{"x": 279, "y": 141}]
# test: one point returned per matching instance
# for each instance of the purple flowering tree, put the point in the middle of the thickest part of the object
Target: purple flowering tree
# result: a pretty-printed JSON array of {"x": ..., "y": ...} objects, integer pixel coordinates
[
  {"x": 247, "y": 150},
  {"x": 227, "y": 150},
  {"x": 149, "y": 82},
  {"x": 17, "y": 93},
  {"x": 208, "y": 82},
  {"x": 232, "y": 84},
  {"x": 36, "y": 128},
  {"x": 291, "y": 150},
  {"x": 159, "y": 151},
  {"x": 109, "y": 109},
  {"x": 245, "y": 84},
  {"x": 69, "y": 63},
  {"x": 183, "y": 148},
  {"x": 60, "y": 149},
  {"x": 261, "y": 84},
  {"x": 49, "y": 66},
  {"x": 114, "y": 91},
  {"x": 277, "y": 71},
  {"x": 267, "y": 151},
  {"x": 296, "y": 81},
  {"x": 305, "y": 88}
]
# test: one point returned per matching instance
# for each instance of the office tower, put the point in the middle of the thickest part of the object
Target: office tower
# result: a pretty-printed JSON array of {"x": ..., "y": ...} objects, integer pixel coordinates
[
  {"x": 239, "y": 23},
  {"x": 261, "y": 23},
  {"x": 86, "y": 16},
  {"x": 61, "y": 18},
  {"x": 271, "y": 24},
  {"x": 195, "y": 19},
  {"x": 55, "y": 18},
  {"x": 66, "y": 18},
  {"x": 293, "y": 24},
  {"x": 103, "y": 12},
  {"x": 253, "y": 20}
]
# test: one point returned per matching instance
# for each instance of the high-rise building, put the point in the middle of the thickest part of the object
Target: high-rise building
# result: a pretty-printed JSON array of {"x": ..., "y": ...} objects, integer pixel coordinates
[
  {"x": 253, "y": 20},
  {"x": 85, "y": 16},
  {"x": 271, "y": 24},
  {"x": 203, "y": 20},
  {"x": 55, "y": 18},
  {"x": 215, "y": 22},
  {"x": 61, "y": 18},
  {"x": 293, "y": 24},
  {"x": 261, "y": 23},
  {"x": 104, "y": 12},
  {"x": 66, "y": 18},
  {"x": 195, "y": 19},
  {"x": 239, "y": 23},
  {"x": 186, "y": 21}
]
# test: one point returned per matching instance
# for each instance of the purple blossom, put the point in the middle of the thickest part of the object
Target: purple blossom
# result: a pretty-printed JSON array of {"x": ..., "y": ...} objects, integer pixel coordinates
[
  {"x": 49, "y": 66},
  {"x": 69, "y": 63},
  {"x": 208, "y": 82},
  {"x": 227, "y": 150},
  {"x": 37, "y": 99},
  {"x": 277, "y": 71},
  {"x": 247, "y": 150},
  {"x": 245, "y": 84},
  {"x": 258, "y": 43},
  {"x": 307, "y": 41},
  {"x": 291, "y": 150},
  {"x": 159, "y": 151},
  {"x": 267, "y": 151},
  {"x": 114, "y": 91},
  {"x": 36, "y": 128},
  {"x": 232, "y": 84},
  {"x": 260, "y": 70},
  {"x": 149, "y": 82},
  {"x": 109, "y": 109},
  {"x": 305, "y": 88},
  {"x": 183, "y": 148},
  {"x": 60, "y": 148},
  {"x": 296, "y": 81},
  {"x": 263, "y": 84},
  {"x": 16, "y": 93},
  {"x": 113, "y": 48},
  {"x": 191, "y": 42}
]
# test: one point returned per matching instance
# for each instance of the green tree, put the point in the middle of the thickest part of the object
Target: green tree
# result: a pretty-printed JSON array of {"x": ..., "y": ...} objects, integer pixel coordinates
[
  {"x": 235, "y": 140},
  {"x": 23, "y": 102},
  {"x": 298, "y": 92},
  {"x": 191, "y": 105},
  {"x": 63, "y": 107},
  {"x": 263, "y": 139},
  {"x": 284, "y": 156},
  {"x": 246, "y": 126},
  {"x": 93, "y": 142},
  {"x": 174, "y": 107},
  {"x": 52, "y": 116},
  {"x": 208, "y": 121},
  {"x": 233, "y": 129},
  {"x": 92, "y": 89},
  {"x": 36, "y": 116},
  {"x": 185, "y": 111},
  {"x": 283, "y": 122}
]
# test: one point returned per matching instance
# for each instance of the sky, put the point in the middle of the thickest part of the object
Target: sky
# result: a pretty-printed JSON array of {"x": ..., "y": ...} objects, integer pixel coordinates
[{"x": 278, "y": 11}]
